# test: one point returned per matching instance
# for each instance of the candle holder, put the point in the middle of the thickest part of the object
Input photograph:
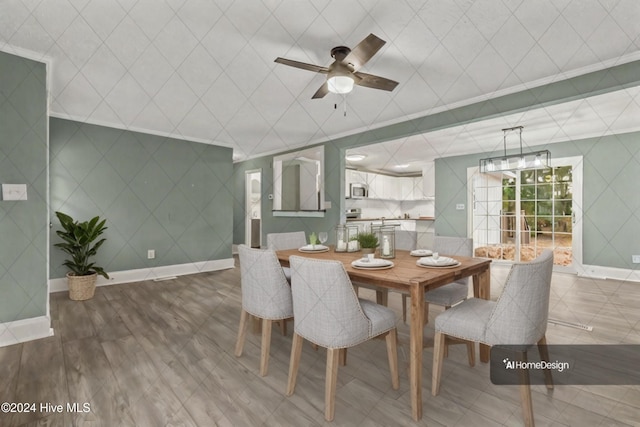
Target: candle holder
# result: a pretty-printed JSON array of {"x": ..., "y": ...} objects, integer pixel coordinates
[
  {"x": 352, "y": 235},
  {"x": 387, "y": 242},
  {"x": 342, "y": 238}
]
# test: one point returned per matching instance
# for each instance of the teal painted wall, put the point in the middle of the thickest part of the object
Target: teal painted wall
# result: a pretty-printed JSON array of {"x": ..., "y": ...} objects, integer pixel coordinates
[
  {"x": 23, "y": 160},
  {"x": 159, "y": 193},
  {"x": 611, "y": 171},
  {"x": 614, "y": 78}
]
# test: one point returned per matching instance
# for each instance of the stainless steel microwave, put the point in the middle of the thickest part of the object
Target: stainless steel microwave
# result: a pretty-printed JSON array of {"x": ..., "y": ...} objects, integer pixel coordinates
[{"x": 358, "y": 190}]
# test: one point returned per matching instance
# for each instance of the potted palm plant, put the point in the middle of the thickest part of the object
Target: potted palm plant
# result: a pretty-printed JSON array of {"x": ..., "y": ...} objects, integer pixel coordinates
[
  {"x": 368, "y": 242},
  {"x": 80, "y": 241}
]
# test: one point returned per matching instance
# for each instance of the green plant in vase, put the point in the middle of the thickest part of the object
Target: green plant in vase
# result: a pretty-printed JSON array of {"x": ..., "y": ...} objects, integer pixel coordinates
[{"x": 368, "y": 242}]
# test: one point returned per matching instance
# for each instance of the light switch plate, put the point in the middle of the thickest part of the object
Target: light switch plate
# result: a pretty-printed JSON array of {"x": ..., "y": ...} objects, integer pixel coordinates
[
  {"x": 460, "y": 207},
  {"x": 14, "y": 191}
]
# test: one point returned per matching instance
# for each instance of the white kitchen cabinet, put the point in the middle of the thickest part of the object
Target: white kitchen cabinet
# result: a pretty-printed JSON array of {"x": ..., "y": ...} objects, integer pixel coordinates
[
  {"x": 418, "y": 192},
  {"x": 429, "y": 180}
]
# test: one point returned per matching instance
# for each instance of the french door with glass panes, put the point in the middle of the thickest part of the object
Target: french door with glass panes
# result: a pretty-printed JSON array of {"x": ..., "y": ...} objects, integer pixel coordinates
[{"x": 517, "y": 214}]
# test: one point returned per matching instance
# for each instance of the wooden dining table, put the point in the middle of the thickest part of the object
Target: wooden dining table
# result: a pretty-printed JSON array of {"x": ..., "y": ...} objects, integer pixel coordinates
[{"x": 409, "y": 278}]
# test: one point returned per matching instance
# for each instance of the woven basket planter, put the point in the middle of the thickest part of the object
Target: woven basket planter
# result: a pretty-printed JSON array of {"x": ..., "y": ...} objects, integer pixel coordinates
[{"x": 81, "y": 287}]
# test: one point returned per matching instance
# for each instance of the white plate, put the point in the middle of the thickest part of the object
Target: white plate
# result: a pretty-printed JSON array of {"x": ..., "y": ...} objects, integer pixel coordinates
[
  {"x": 376, "y": 264},
  {"x": 442, "y": 262},
  {"x": 314, "y": 248},
  {"x": 421, "y": 252}
]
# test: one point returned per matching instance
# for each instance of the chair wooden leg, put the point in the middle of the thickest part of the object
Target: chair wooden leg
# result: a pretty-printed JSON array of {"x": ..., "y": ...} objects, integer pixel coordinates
[
  {"x": 438, "y": 355},
  {"x": 242, "y": 331},
  {"x": 525, "y": 394},
  {"x": 283, "y": 327},
  {"x": 257, "y": 325},
  {"x": 392, "y": 354},
  {"x": 471, "y": 353},
  {"x": 343, "y": 357},
  {"x": 404, "y": 308},
  {"x": 294, "y": 363},
  {"x": 330, "y": 383},
  {"x": 544, "y": 355},
  {"x": 266, "y": 346}
]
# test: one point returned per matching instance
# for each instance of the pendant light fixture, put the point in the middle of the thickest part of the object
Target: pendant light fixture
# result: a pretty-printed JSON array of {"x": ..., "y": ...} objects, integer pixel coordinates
[{"x": 522, "y": 161}]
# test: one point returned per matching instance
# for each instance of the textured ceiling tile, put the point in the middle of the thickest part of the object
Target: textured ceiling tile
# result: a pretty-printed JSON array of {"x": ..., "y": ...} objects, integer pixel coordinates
[
  {"x": 199, "y": 70},
  {"x": 221, "y": 43},
  {"x": 246, "y": 78},
  {"x": 200, "y": 124},
  {"x": 176, "y": 42},
  {"x": 440, "y": 17},
  {"x": 560, "y": 52},
  {"x": 600, "y": 41},
  {"x": 103, "y": 70},
  {"x": 79, "y": 52},
  {"x": 488, "y": 70},
  {"x": 151, "y": 16},
  {"x": 296, "y": 15},
  {"x": 199, "y": 16},
  {"x": 32, "y": 36},
  {"x": 10, "y": 23},
  {"x": 55, "y": 16},
  {"x": 127, "y": 99},
  {"x": 176, "y": 99},
  {"x": 223, "y": 99},
  {"x": 79, "y": 98},
  {"x": 487, "y": 17},
  {"x": 127, "y": 41},
  {"x": 512, "y": 42},
  {"x": 247, "y": 17},
  {"x": 103, "y": 17},
  {"x": 151, "y": 70}
]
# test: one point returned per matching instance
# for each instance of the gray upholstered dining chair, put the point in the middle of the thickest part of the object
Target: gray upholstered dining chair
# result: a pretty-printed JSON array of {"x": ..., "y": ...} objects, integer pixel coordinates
[
  {"x": 266, "y": 295},
  {"x": 518, "y": 317},
  {"x": 451, "y": 293},
  {"x": 284, "y": 241},
  {"x": 328, "y": 313}
]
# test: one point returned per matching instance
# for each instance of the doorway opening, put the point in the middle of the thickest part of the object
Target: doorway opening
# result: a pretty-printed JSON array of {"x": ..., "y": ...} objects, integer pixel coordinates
[
  {"x": 253, "y": 208},
  {"x": 517, "y": 214}
]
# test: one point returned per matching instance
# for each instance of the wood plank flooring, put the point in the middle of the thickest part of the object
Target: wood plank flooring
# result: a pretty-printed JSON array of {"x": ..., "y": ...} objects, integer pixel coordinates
[{"x": 161, "y": 353}]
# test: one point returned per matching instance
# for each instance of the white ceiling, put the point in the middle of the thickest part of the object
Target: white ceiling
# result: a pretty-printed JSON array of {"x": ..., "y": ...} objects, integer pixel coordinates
[{"x": 203, "y": 70}]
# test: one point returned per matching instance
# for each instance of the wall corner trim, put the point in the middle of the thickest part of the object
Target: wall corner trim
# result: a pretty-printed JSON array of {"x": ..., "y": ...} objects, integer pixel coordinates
[
  {"x": 153, "y": 273},
  {"x": 25, "y": 330}
]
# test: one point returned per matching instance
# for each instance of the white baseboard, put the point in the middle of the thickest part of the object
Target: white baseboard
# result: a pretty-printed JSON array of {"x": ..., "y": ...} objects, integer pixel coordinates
[
  {"x": 25, "y": 330},
  {"x": 154, "y": 273},
  {"x": 609, "y": 273}
]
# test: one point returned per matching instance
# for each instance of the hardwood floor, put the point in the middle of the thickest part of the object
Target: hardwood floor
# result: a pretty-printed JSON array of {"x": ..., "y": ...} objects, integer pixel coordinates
[{"x": 161, "y": 353}]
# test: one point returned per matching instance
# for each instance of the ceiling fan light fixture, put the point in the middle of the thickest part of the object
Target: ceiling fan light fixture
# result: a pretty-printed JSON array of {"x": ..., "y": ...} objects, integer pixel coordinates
[{"x": 340, "y": 84}]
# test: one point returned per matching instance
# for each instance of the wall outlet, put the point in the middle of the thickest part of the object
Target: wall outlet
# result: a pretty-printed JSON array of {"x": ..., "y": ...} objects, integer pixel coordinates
[
  {"x": 460, "y": 207},
  {"x": 635, "y": 259},
  {"x": 151, "y": 254}
]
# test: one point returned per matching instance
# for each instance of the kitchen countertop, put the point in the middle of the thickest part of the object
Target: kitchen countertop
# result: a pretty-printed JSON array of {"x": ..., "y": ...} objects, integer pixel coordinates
[{"x": 422, "y": 218}]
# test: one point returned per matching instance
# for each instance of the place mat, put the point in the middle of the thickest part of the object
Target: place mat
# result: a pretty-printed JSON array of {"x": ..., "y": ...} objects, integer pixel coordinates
[
  {"x": 421, "y": 252},
  {"x": 314, "y": 249}
]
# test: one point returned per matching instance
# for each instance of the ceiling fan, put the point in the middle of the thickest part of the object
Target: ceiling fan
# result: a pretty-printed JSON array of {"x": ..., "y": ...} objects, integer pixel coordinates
[{"x": 343, "y": 74}]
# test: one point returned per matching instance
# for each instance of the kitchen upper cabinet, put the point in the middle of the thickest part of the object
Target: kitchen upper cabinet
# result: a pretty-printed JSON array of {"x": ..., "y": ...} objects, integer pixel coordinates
[
  {"x": 387, "y": 187},
  {"x": 429, "y": 180}
]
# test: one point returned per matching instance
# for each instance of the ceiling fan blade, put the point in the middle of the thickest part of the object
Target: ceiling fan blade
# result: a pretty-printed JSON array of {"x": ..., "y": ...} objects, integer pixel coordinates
[
  {"x": 322, "y": 91},
  {"x": 364, "y": 51},
  {"x": 302, "y": 65},
  {"x": 375, "y": 82}
]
